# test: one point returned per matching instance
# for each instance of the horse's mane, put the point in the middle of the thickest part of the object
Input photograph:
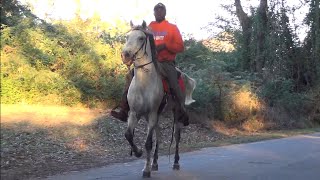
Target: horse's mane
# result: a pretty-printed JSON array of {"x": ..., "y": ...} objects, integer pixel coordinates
[{"x": 149, "y": 34}]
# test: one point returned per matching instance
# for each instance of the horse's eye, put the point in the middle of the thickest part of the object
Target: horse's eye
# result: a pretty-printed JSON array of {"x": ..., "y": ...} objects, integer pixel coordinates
[{"x": 141, "y": 38}]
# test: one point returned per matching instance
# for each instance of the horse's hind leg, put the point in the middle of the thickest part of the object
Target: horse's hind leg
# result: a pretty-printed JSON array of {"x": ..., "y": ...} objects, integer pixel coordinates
[
  {"x": 132, "y": 123},
  {"x": 177, "y": 136},
  {"x": 155, "y": 156},
  {"x": 152, "y": 121}
]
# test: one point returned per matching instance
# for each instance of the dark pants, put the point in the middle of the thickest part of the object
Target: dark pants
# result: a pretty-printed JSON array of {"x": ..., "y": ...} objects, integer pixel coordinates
[{"x": 168, "y": 71}]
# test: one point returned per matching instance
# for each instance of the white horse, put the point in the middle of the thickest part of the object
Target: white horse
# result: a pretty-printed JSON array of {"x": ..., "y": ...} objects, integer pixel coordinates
[{"x": 146, "y": 93}]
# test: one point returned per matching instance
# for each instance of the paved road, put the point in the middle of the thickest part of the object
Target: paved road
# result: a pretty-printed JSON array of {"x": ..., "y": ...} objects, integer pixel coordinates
[{"x": 294, "y": 158}]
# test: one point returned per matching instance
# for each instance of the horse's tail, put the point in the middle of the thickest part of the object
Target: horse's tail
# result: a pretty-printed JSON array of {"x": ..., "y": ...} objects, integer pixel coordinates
[{"x": 171, "y": 137}]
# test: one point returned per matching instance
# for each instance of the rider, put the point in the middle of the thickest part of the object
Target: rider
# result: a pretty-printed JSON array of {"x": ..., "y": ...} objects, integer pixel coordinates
[{"x": 168, "y": 42}]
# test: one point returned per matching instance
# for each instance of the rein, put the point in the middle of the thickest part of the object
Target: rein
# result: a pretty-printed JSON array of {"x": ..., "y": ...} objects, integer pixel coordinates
[{"x": 145, "y": 50}]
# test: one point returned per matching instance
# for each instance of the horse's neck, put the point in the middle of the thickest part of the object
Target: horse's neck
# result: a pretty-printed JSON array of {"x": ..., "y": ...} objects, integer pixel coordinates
[{"x": 146, "y": 73}]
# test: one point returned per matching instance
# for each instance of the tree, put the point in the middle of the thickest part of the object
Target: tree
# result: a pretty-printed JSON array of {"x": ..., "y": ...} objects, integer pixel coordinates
[
  {"x": 12, "y": 12},
  {"x": 262, "y": 26},
  {"x": 255, "y": 62},
  {"x": 312, "y": 41},
  {"x": 245, "y": 22}
]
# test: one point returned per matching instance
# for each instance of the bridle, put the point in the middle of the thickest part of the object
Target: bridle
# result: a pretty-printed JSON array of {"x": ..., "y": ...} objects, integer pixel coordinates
[{"x": 143, "y": 46}]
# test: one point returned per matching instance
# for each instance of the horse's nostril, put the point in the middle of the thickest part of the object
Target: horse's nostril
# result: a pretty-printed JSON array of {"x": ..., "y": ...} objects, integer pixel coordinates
[{"x": 127, "y": 54}]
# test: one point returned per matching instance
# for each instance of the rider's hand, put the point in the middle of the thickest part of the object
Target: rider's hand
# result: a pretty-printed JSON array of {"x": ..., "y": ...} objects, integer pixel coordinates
[{"x": 161, "y": 47}]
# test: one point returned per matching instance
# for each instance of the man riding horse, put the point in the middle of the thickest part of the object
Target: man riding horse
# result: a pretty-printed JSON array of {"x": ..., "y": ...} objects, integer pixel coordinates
[{"x": 168, "y": 42}]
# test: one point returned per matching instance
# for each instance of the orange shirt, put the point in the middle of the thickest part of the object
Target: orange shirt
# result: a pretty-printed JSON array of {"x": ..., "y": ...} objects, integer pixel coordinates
[{"x": 169, "y": 34}]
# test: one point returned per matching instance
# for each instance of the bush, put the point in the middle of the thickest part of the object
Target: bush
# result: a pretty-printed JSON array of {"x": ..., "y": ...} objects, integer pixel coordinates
[
  {"x": 281, "y": 93},
  {"x": 200, "y": 63},
  {"x": 37, "y": 87},
  {"x": 59, "y": 64},
  {"x": 241, "y": 105}
]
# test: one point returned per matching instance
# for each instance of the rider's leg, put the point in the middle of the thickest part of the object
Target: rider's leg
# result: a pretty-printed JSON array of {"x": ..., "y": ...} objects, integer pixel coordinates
[
  {"x": 122, "y": 112},
  {"x": 168, "y": 70}
]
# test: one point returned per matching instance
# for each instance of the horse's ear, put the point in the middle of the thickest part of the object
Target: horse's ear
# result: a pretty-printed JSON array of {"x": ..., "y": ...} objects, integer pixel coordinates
[
  {"x": 144, "y": 25},
  {"x": 131, "y": 24}
]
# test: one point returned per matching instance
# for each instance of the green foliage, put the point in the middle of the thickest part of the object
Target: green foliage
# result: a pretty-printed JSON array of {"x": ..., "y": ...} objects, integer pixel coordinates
[
  {"x": 312, "y": 41},
  {"x": 281, "y": 93},
  {"x": 78, "y": 61},
  {"x": 63, "y": 63},
  {"x": 240, "y": 98},
  {"x": 275, "y": 90},
  {"x": 10, "y": 93},
  {"x": 21, "y": 83},
  {"x": 12, "y": 12},
  {"x": 200, "y": 63}
]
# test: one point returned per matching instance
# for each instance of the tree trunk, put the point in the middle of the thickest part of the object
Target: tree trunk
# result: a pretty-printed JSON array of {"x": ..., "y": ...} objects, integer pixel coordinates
[
  {"x": 245, "y": 23},
  {"x": 262, "y": 17}
]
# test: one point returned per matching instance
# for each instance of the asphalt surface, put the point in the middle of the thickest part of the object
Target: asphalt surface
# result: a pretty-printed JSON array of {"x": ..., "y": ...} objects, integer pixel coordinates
[{"x": 294, "y": 158}]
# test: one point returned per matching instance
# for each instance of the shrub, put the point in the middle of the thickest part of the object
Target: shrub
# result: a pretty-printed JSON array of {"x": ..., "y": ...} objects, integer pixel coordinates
[{"x": 59, "y": 64}]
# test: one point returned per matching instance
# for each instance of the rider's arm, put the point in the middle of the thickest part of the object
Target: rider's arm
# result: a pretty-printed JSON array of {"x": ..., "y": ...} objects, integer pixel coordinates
[{"x": 175, "y": 43}]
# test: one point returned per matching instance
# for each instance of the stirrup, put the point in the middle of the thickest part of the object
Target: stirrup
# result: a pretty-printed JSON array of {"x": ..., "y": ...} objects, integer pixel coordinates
[{"x": 121, "y": 114}]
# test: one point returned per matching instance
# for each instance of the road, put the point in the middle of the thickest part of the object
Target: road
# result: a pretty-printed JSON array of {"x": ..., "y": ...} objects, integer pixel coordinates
[{"x": 293, "y": 158}]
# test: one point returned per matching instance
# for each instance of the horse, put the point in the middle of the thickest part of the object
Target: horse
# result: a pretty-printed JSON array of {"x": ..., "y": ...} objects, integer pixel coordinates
[{"x": 146, "y": 94}]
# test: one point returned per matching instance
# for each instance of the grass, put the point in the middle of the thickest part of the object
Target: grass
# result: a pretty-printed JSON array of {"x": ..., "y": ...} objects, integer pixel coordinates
[{"x": 47, "y": 116}]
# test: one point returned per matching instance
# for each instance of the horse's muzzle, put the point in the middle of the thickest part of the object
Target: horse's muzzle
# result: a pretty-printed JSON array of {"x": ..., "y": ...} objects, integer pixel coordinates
[
  {"x": 126, "y": 54},
  {"x": 127, "y": 58}
]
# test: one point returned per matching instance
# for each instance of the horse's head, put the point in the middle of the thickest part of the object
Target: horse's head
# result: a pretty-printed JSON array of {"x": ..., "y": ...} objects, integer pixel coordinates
[{"x": 135, "y": 44}]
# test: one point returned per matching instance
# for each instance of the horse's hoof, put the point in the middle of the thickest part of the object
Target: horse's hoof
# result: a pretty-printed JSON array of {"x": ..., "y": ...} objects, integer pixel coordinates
[
  {"x": 154, "y": 167},
  {"x": 146, "y": 174},
  {"x": 176, "y": 167},
  {"x": 138, "y": 153}
]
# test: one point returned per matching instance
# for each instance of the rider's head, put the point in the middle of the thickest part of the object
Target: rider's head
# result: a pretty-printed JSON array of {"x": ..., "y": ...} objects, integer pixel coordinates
[{"x": 159, "y": 12}]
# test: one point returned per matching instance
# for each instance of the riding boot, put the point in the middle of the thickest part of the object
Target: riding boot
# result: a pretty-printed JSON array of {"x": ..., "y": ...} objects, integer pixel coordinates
[
  {"x": 121, "y": 112},
  {"x": 183, "y": 116}
]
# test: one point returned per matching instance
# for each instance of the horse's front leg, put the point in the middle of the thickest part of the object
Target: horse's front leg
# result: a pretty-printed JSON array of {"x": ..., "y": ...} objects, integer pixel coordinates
[
  {"x": 177, "y": 136},
  {"x": 155, "y": 156},
  {"x": 132, "y": 123},
  {"x": 152, "y": 121}
]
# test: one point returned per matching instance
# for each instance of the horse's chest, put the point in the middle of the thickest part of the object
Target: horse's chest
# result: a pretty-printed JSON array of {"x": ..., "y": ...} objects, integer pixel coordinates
[{"x": 139, "y": 96}]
